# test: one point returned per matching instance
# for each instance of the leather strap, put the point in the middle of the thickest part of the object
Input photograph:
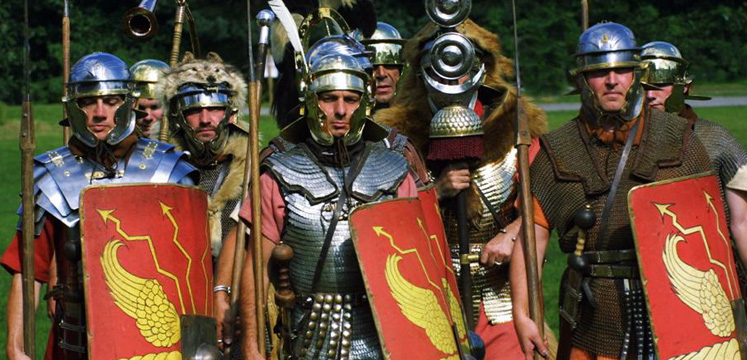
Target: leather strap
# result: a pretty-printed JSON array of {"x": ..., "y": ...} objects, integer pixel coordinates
[
  {"x": 490, "y": 207},
  {"x": 332, "y": 226},
  {"x": 615, "y": 184}
]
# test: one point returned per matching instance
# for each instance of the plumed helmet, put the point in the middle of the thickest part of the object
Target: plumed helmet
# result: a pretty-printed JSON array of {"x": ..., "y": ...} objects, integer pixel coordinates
[
  {"x": 94, "y": 75},
  {"x": 330, "y": 72},
  {"x": 386, "y": 44},
  {"x": 665, "y": 64},
  {"x": 145, "y": 74},
  {"x": 609, "y": 45},
  {"x": 202, "y": 83}
]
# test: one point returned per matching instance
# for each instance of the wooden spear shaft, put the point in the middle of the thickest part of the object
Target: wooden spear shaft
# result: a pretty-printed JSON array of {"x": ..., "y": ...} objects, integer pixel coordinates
[
  {"x": 585, "y": 14},
  {"x": 523, "y": 140},
  {"x": 176, "y": 43},
  {"x": 27, "y": 145},
  {"x": 65, "y": 63}
]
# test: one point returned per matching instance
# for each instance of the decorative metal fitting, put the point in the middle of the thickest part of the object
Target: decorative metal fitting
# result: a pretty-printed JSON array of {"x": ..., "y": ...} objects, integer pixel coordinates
[
  {"x": 448, "y": 13},
  {"x": 455, "y": 121}
]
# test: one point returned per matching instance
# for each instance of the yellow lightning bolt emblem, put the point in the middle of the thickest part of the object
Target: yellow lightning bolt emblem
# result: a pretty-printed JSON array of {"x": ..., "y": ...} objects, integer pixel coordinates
[
  {"x": 699, "y": 290},
  {"x": 175, "y": 239},
  {"x": 106, "y": 216}
]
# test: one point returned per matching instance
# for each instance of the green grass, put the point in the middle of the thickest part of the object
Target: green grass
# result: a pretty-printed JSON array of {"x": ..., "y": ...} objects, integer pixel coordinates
[{"x": 49, "y": 136}]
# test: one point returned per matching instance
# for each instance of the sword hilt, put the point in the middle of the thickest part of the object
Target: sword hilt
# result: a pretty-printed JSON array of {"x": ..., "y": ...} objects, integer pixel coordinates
[
  {"x": 584, "y": 220},
  {"x": 281, "y": 258}
]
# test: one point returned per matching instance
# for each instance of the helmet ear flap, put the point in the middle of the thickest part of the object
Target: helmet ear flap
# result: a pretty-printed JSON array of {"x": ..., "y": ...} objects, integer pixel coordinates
[{"x": 676, "y": 100}]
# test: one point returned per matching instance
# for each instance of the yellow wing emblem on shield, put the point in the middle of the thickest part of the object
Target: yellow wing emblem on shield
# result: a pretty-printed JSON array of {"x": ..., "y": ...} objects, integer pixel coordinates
[
  {"x": 699, "y": 290},
  {"x": 141, "y": 299},
  {"x": 420, "y": 306},
  {"x": 456, "y": 311}
]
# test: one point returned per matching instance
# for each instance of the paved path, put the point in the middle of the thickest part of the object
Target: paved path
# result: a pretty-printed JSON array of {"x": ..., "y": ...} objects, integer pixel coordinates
[{"x": 716, "y": 101}]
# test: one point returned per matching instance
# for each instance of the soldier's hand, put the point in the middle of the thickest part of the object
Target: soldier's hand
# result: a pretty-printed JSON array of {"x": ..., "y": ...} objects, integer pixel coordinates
[
  {"x": 221, "y": 311},
  {"x": 17, "y": 354},
  {"x": 453, "y": 179},
  {"x": 253, "y": 354},
  {"x": 529, "y": 338},
  {"x": 498, "y": 250}
]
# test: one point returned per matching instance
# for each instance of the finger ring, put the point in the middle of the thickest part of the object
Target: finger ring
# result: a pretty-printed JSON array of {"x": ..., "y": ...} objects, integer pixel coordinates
[
  {"x": 497, "y": 263},
  {"x": 220, "y": 341}
]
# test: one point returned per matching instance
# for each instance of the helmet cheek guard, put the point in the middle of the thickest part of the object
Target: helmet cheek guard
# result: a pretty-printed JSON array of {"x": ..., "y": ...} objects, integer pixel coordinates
[{"x": 332, "y": 72}]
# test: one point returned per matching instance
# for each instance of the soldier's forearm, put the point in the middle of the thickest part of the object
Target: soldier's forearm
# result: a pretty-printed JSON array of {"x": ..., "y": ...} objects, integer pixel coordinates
[
  {"x": 15, "y": 315},
  {"x": 225, "y": 260},
  {"x": 517, "y": 273},
  {"x": 737, "y": 201},
  {"x": 518, "y": 280}
]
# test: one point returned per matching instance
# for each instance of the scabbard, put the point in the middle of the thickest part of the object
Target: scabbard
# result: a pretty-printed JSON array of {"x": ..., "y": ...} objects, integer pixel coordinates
[{"x": 572, "y": 296}]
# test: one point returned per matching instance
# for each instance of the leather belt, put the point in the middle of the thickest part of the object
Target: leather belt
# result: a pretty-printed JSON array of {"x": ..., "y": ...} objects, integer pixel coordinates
[
  {"x": 615, "y": 264},
  {"x": 613, "y": 271},
  {"x": 610, "y": 256}
]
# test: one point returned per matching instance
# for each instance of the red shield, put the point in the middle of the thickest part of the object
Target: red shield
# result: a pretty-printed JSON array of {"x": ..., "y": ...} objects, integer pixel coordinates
[
  {"x": 687, "y": 267},
  {"x": 146, "y": 261},
  {"x": 405, "y": 263}
]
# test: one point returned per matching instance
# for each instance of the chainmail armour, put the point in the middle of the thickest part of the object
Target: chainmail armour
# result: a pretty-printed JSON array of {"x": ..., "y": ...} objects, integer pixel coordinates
[
  {"x": 489, "y": 284},
  {"x": 334, "y": 322},
  {"x": 725, "y": 152},
  {"x": 574, "y": 170},
  {"x": 211, "y": 179}
]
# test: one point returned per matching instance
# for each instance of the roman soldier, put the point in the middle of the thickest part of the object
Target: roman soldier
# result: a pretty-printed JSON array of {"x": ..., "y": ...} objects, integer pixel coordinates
[
  {"x": 334, "y": 160},
  {"x": 204, "y": 98},
  {"x": 145, "y": 73},
  {"x": 104, "y": 149},
  {"x": 589, "y": 164},
  {"x": 490, "y": 183},
  {"x": 667, "y": 70},
  {"x": 386, "y": 44}
]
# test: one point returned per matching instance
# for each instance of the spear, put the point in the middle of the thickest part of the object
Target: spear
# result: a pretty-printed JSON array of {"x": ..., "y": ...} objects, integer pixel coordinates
[
  {"x": 65, "y": 63},
  {"x": 523, "y": 140},
  {"x": 585, "y": 14},
  {"x": 27, "y": 146},
  {"x": 251, "y": 176}
]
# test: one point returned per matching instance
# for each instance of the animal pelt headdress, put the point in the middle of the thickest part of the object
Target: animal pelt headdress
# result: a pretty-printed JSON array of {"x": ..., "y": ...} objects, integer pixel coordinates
[
  {"x": 211, "y": 70},
  {"x": 411, "y": 115},
  {"x": 359, "y": 14}
]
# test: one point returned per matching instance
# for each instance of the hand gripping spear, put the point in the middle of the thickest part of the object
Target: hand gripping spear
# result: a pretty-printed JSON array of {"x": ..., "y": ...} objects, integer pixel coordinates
[
  {"x": 523, "y": 140},
  {"x": 27, "y": 146}
]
